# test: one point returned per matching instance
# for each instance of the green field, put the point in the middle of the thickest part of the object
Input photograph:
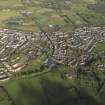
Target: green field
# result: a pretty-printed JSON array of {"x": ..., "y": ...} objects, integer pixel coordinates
[
  {"x": 48, "y": 89},
  {"x": 30, "y": 16},
  {"x": 100, "y": 46}
]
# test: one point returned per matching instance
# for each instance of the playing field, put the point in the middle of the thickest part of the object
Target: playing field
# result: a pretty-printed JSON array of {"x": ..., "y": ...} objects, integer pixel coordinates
[{"x": 100, "y": 46}]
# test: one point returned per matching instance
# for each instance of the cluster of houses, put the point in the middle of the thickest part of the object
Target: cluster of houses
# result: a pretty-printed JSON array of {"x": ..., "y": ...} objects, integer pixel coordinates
[
  {"x": 3, "y": 75},
  {"x": 70, "y": 48},
  {"x": 82, "y": 40}
]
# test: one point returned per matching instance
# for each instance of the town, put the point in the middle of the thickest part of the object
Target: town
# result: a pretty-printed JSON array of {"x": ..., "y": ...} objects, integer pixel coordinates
[
  {"x": 52, "y": 52},
  {"x": 72, "y": 48}
]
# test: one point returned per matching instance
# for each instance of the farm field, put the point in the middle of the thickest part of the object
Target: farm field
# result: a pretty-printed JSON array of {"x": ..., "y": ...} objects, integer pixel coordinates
[{"x": 29, "y": 16}]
